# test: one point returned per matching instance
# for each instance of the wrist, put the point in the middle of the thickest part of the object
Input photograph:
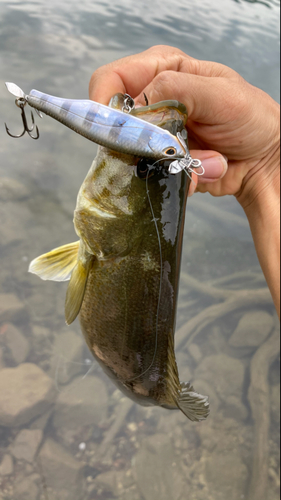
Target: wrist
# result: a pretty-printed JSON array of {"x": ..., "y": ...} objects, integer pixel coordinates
[
  {"x": 262, "y": 183},
  {"x": 261, "y": 203}
]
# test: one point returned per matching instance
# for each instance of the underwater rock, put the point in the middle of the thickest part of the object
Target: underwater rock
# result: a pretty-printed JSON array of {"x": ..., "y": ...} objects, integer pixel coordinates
[
  {"x": 67, "y": 360},
  {"x": 62, "y": 472},
  {"x": 6, "y": 466},
  {"x": 25, "y": 488},
  {"x": 13, "y": 222},
  {"x": 15, "y": 343},
  {"x": 26, "y": 444},
  {"x": 226, "y": 476},
  {"x": 12, "y": 189},
  {"x": 113, "y": 482},
  {"x": 184, "y": 367},
  {"x": 226, "y": 374},
  {"x": 40, "y": 333},
  {"x": 157, "y": 470},
  {"x": 252, "y": 329},
  {"x": 25, "y": 392},
  {"x": 131, "y": 494},
  {"x": 11, "y": 308},
  {"x": 82, "y": 402},
  {"x": 168, "y": 422},
  {"x": 275, "y": 403},
  {"x": 2, "y": 357},
  {"x": 234, "y": 408},
  {"x": 195, "y": 352},
  {"x": 41, "y": 422}
]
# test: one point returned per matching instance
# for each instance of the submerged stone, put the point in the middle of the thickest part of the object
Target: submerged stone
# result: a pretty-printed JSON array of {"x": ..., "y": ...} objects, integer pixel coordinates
[
  {"x": 15, "y": 343},
  {"x": 10, "y": 307},
  {"x": 82, "y": 402},
  {"x": 225, "y": 374},
  {"x": 226, "y": 475},
  {"x": 26, "y": 444},
  {"x": 62, "y": 472},
  {"x": 157, "y": 470},
  {"x": 6, "y": 466},
  {"x": 252, "y": 329},
  {"x": 12, "y": 189},
  {"x": 67, "y": 359},
  {"x": 26, "y": 488},
  {"x": 25, "y": 393}
]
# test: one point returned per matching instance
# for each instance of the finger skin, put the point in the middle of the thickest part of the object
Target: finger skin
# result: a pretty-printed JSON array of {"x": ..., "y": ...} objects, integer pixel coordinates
[{"x": 133, "y": 73}]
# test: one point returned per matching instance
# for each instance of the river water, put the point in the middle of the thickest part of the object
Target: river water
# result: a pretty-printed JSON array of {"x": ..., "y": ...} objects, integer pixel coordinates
[{"x": 82, "y": 439}]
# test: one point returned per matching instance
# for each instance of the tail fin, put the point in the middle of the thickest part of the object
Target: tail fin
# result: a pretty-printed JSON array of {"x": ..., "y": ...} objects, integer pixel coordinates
[{"x": 193, "y": 405}]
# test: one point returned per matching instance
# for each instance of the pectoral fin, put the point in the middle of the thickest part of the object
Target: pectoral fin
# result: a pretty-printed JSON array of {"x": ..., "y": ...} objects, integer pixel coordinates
[
  {"x": 193, "y": 405},
  {"x": 76, "y": 288},
  {"x": 56, "y": 265}
]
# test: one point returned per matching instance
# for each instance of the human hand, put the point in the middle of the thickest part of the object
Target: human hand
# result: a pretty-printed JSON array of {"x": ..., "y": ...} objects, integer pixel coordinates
[{"x": 226, "y": 115}]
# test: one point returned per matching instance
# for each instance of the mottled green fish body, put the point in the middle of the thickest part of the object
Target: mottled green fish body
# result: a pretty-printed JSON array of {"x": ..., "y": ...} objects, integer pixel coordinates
[{"x": 124, "y": 271}]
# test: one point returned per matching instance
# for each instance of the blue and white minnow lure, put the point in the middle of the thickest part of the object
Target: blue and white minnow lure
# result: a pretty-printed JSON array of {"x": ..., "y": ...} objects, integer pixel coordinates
[{"x": 112, "y": 128}]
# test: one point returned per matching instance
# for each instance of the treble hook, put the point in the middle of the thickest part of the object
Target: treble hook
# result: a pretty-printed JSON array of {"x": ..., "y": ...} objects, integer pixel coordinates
[{"x": 21, "y": 103}]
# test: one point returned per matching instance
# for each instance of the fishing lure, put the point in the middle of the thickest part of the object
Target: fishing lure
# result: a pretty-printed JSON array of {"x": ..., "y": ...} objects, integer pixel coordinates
[{"x": 115, "y": 129}]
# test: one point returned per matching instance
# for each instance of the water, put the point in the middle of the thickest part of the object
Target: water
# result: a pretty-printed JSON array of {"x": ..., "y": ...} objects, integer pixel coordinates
[{"x": 93, "y": 443}]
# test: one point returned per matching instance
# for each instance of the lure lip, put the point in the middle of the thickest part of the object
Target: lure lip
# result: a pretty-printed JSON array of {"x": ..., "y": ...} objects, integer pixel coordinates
[{"x": 15, "y": 90}]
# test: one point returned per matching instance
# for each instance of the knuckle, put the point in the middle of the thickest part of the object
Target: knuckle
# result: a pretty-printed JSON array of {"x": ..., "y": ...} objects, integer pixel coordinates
[
  {"x": 96, "y": 75},
  {"x": 162, "y": 79}
]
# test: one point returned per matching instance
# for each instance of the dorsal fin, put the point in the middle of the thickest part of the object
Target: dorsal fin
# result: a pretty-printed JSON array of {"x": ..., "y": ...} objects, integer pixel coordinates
[{"x": 57, "y": 264}]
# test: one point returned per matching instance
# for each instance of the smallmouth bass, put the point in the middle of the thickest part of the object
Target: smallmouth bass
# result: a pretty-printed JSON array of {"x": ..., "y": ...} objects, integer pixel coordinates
[{"x": 124, "y": 271}]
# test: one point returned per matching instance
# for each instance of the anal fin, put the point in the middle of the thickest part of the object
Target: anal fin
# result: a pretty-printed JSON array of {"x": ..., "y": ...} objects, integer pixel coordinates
[{"x": 193, "y": 405}]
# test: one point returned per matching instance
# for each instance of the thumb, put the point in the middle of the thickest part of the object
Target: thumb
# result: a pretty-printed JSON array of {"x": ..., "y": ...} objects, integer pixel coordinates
[{"x": 214, "y": 164}]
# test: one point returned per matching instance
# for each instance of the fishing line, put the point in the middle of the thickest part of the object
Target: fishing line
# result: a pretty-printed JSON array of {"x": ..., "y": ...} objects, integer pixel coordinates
[
  {"x": 189, "y": 176},
  {"x": 160, "y": 284},
  {"x": 63, "y": 358},
  {"x": 161, "y": 262}
]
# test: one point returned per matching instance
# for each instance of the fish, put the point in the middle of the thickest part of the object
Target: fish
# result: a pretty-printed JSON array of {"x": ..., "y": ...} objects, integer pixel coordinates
[{"x": 124, "y": 270}]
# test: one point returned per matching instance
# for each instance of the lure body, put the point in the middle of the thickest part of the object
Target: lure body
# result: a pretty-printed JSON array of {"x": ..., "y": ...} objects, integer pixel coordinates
[
  {"x": 118, "y": 129},
  {"x": 109, "y": 127}
]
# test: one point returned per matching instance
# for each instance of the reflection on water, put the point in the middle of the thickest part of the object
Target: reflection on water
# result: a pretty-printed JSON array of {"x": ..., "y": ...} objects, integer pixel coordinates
[{"x": 65, "y": 432}]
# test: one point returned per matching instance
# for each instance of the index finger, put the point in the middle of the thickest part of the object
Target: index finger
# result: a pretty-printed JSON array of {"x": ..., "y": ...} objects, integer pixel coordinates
[{"x": 133, "y": 73}]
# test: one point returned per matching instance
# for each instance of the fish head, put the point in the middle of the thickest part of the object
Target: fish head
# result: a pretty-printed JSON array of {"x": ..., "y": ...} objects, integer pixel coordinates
[
  {"x": 112, "y": 205},
  {"x": 170, "y": 115}
]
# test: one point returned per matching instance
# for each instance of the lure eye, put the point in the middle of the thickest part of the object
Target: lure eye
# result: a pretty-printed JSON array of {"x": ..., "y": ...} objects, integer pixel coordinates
[{"x": 170, "y": 151}]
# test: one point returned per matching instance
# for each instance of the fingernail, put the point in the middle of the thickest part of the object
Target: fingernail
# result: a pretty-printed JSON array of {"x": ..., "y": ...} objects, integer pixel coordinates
[{"x": 215, "y": 167}]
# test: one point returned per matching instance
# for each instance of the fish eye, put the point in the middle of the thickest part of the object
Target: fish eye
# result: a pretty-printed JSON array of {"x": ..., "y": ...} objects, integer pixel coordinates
[
  {"x": 170, "y": 151},
  {"x": 143, "y": 169}
]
